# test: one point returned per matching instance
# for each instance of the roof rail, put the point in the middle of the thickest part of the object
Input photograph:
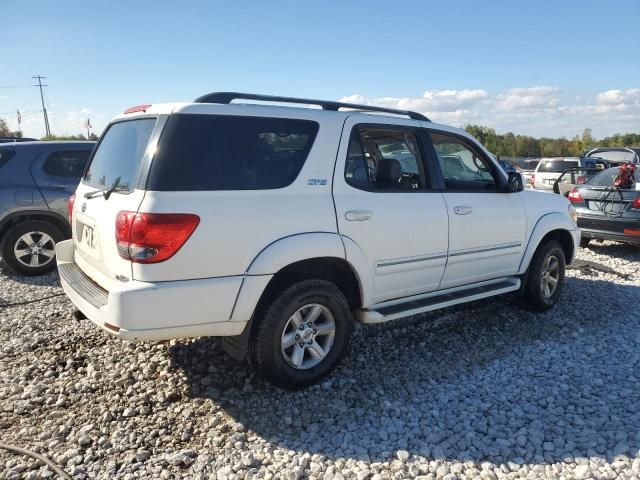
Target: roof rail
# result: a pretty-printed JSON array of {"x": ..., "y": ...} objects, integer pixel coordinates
[{"x": 228, "y": 97}]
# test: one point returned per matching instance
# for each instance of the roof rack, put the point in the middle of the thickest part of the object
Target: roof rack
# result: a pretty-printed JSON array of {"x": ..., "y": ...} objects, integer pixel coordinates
[{"x": 228, "y": 97}]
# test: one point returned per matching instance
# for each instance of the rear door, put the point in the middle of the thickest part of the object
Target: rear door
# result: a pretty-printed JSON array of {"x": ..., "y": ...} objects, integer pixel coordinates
[
  {"x": 118, "y": 160},
  {"x": 57, "y": 174},
  {"x": 384, "y": 204},
  {"x": 486, "y": 226}
]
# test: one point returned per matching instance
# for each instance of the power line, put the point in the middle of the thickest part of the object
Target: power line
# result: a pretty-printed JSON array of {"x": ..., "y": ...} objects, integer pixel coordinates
[
  {"x": 44, "y": 110},
  {"x": 16, "y": 86}
]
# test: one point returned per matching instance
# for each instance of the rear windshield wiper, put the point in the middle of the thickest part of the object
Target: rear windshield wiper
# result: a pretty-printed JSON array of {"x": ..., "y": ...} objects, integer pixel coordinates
[{"x": 105, "y": 192}]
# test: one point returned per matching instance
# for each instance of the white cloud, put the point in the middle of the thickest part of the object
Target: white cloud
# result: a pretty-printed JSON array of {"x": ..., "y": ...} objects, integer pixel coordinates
[
  {"x": 528, "y": 98},
  {"x": 431, "y": 100},
  {"x": 537, "y": 110}
]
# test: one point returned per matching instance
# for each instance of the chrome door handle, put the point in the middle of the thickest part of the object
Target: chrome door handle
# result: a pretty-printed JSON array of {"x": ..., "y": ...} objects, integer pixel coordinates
[
  {"x": 462, "y": 210},
  {"x": 357, "y": 215}
]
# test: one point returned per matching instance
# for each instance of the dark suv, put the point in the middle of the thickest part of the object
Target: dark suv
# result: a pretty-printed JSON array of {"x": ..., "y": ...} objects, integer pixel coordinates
[{"x": 36, "y": 179}]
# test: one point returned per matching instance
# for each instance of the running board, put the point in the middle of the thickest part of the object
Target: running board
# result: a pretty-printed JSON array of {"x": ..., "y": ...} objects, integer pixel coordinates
[{"x": 391, "y": 310}]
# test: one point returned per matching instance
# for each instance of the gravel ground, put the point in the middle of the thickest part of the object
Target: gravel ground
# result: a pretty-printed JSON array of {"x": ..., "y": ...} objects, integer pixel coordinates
[{"x": 488, "y": 390}]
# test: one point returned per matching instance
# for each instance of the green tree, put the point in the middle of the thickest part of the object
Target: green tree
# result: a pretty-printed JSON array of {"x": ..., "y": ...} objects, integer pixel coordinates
[{"x": 4, "y": 129}]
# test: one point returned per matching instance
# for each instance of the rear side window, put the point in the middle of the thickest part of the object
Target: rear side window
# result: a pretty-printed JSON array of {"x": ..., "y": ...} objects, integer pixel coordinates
[
  {"x": 5, "y": 155},
  {"x": 215, "y": 152},
  {"x": 384, "y": 159},
  {"x": 119, "y": 154},
  {"x": 66, "y": 164}
]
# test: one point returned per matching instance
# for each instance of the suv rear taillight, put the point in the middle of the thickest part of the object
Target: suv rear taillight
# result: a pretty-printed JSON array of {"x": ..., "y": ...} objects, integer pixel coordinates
[
  {"x": 70, "y": 202},
  {"x": 152, "y": 237},
  {"x": 635, "y": 203},
  {"x": 574, "y": 196}
]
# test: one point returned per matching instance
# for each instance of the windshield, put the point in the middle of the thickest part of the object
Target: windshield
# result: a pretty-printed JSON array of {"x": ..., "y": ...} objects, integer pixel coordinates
[{"x": 119, "y": 154}]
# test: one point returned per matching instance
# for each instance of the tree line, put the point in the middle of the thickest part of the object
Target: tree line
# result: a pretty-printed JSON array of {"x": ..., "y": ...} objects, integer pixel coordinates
[
  {"x": 503, "y": 145},
  {"x": 512, "y": 145}
]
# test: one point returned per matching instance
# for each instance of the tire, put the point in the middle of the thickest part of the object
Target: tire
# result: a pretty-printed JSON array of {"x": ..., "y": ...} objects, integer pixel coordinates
[
  {"x": 584, "y": 242},
  {"x": 535, "y": 292},
  {"x": 19, "y": 238},
  {"x": 270, "y": 352}
]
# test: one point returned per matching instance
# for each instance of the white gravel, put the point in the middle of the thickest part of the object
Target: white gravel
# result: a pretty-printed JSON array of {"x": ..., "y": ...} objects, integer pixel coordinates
[{"x": 488, "y": 390}]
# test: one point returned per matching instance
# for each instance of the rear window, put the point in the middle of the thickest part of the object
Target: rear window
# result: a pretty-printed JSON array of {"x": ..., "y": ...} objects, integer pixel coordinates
[
  {"x": 66, "y": 164},
  {"x": 5, "y": 155},
  {"x": 119, "y": 154},
  {"x": 607, "y": 177},
  {"x": 215, "y": 152},
  {"x": 556, "y": 166}
]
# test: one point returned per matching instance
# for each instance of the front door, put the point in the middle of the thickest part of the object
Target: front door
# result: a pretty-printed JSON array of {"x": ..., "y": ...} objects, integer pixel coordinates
[
  {"x": 385, "y": 206},
  {"x": 486, "y": 225}
]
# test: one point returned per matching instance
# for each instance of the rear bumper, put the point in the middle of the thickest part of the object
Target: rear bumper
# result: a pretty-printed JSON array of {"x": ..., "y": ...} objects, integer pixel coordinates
[
  {"x": 601, "y": 235},
  {"x": 140, "y": 311},
  {"x": 609, "y": 228}
]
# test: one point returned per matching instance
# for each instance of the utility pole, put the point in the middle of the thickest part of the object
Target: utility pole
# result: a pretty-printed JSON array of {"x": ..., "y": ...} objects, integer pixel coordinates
[
  {"x": 87, "y": 125},
  {"x": 44, "y": 110}
]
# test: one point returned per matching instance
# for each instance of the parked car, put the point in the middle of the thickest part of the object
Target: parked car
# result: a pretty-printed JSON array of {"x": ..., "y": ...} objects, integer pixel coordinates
[
  {"x": 616, "y": 155},
  {"x": 571, "y": 177},
  {"x": 277, "y": 227},
  {"x": 606, "y": 212},
  {"x": 548, "y": 170},
  {"x": 36, "y": 180},
  {"x": 527, "y": 169}
]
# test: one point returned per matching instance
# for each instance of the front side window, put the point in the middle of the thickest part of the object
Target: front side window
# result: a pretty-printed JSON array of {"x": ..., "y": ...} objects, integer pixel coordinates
[
  {"x": 462, "y": 165},
  {"x": 221, "y": 152},
  {"x": 66, "y": 164},
  {"x": 119, "y": 154},
  {"x": 384, "y": 159}
]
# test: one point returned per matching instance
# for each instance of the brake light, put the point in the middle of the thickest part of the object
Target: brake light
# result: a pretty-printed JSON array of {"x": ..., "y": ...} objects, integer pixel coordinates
[
  {"x": 574, "y": 196},
  {"x": 70, "y": 202},
  {"x": 580, "y": 180},
  {"x": 533, "y": 179},
  {"x": 152, "y": 237},
  {"x": 636, "y": 203},
  {"x": 138, "y": 108}
]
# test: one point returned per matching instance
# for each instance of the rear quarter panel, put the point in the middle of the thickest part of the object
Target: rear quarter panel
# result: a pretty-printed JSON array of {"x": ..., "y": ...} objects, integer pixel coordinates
[{"x": 235, "y": 226}]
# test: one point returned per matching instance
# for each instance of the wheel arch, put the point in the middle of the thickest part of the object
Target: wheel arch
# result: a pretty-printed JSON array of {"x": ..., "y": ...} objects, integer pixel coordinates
[
  {"x": 27, "y": 215},
  {"x": 552, "y": 226},
  {"x": 270, "y": 274}
]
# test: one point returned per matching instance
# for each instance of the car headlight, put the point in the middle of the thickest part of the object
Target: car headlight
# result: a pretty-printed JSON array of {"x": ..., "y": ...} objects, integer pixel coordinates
[{"x": 573, "y": 214}]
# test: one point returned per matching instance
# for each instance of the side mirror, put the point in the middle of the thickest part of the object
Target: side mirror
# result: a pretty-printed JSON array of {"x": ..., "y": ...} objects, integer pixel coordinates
[{"x": 515, "y": 183}]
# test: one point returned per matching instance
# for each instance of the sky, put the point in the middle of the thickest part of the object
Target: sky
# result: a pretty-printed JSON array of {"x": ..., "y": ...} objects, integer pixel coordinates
[{"x": 539, "y": 68}]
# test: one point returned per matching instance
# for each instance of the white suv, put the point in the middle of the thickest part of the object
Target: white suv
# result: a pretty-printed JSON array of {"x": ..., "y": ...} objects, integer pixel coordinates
[{"x": 277, "y": 227}]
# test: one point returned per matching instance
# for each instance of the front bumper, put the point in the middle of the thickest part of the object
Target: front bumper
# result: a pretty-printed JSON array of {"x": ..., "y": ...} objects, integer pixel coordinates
[{"x": 140, "y": 311}]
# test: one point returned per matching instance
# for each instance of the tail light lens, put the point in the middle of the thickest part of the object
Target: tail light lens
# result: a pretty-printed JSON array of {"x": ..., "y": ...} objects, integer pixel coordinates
[
  {"x": 152, "y": 237},
  {"x": 636, "y": 203},
  {"x": 574, "y": 196},
  {"x": 533, "y": 179},
  {"x": 70, "y": 202}
]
